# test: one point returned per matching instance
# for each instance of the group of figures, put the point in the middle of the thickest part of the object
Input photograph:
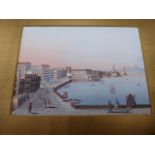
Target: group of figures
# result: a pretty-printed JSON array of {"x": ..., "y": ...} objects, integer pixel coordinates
[{"x": 130, "y": 103}]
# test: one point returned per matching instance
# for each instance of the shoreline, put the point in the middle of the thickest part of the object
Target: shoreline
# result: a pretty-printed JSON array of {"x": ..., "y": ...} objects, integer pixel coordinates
[
  {"x": 89, "y": 106},
  {"x": 106, "y": 106},
  {"x": 65, "y": 108}
]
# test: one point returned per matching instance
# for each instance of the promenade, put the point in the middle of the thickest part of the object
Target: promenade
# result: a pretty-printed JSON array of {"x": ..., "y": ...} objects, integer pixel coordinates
[{"x": 56, "y": 106}]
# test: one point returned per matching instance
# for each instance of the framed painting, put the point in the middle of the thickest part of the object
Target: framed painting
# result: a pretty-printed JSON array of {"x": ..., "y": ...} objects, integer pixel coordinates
[
  {"x": 80, "y": 71},
  {"x": 77, "y": 76}
]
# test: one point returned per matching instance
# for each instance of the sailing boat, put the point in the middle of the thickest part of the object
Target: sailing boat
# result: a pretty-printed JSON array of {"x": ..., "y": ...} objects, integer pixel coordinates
[{"x": 112, "y": 89}]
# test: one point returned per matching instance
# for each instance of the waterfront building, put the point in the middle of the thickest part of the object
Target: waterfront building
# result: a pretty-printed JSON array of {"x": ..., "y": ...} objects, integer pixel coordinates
[
  {"x": 95, "y": 75},
  {"x": 69, "y": 72},
  {"x": 59, "y": 73},
  {"x": 34, "y": 81},
  {"x": 22, "y": 68},
  {"x": 81, "y": 74},
  {"x": 30, "y": 83},
  {"x": 68, "y": 69},
  {"x": 115, "y": 74},
  {"x": 36, "y": 70},
  {"x": 45, "y": 67},
  {"x": 104, "y": 74},
  {"x": 24, "y": 88},
  {"x": 46, "y": 74}
]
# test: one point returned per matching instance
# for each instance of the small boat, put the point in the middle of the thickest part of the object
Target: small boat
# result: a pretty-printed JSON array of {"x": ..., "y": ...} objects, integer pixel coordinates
[
  {"x": 96, "y": 79},
  {"x": 138, "y": 84},
  {"x": 67, "y": 100},
  {"x": 75, "y": 102}
]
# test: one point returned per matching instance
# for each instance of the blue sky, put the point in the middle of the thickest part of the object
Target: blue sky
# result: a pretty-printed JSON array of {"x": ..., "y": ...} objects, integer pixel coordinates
[{"x": 81, "y": 47}]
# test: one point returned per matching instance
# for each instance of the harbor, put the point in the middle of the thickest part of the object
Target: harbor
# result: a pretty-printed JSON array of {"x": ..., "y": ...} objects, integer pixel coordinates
[
  {"x": 56, "y": 105},
  {"x": 98, "y": 93}
]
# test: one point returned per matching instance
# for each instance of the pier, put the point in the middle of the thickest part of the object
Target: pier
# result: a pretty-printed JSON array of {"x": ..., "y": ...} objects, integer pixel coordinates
[{"x": 61, "y": 84}]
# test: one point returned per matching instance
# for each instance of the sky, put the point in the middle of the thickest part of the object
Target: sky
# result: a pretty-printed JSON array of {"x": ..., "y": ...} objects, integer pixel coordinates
[{"x": 81, "y": 47}]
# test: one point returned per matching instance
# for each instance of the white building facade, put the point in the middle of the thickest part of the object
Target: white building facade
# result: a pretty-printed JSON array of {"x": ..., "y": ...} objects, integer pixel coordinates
[
  {"x": 46, "y": 74},
  {"x": 59, "y": 73},
  {"x": 81, "y": 74}
]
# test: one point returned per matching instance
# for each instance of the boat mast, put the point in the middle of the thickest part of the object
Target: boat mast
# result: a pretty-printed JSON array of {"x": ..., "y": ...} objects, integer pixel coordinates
[{"x": 125, "y": 72}]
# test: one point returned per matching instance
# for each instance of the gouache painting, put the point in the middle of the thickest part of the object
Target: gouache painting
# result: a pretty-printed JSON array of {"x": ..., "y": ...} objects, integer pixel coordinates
[{"x": 80, "y": 71}]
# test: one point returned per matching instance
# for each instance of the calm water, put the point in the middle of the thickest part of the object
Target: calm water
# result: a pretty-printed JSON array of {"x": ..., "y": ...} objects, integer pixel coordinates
[{"x": 100, "y": 92}]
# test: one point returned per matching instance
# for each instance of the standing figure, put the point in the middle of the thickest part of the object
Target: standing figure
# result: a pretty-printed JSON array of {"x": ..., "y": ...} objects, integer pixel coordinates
[
  {"x": 110, "y": 106},
  {"x": 40, "y": 96},
  {"x": 116, "y": 104},
  {"x": 65, "y": 95},
  {"x": 49, "y": 102},
  {"x": 130, "y": 101},
  {"x": 30, "y": 108},
  {"x": 45, "y": 103}
]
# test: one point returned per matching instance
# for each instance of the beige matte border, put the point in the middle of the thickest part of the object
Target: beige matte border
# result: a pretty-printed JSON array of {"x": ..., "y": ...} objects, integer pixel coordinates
[{"x": 10, "y": 35}]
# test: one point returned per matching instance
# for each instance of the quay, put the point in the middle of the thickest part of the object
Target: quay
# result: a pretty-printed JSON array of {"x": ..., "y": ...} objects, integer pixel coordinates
[
  {"x": 78, "y": 106},
  {"x": 58, "y": 107}
]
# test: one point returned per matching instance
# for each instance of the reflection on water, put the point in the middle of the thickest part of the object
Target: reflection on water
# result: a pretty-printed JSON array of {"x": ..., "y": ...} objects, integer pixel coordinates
[{"x": 100, "y": 92}]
